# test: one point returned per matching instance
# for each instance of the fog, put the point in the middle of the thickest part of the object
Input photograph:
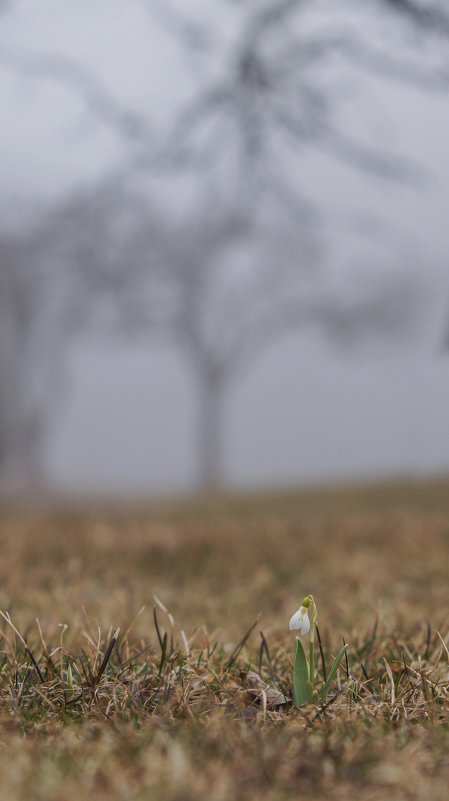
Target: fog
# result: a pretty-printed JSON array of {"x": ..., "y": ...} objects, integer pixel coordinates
[
  {"x": 130, "y": 421},
  {"x": 193, "y": 236}
]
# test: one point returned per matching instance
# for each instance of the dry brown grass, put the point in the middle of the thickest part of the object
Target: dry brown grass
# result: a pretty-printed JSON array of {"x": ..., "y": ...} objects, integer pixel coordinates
[{"x": 173, "y": 725}]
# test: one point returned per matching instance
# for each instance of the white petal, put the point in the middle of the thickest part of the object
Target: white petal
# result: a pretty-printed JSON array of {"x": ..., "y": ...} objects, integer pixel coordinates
[{"x": 300, "y": 622}]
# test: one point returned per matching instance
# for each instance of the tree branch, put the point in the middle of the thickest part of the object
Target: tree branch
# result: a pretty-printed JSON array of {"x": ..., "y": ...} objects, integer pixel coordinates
[
  {"x": 429, "y": 17},
  {"x": 130, "y": 126}
]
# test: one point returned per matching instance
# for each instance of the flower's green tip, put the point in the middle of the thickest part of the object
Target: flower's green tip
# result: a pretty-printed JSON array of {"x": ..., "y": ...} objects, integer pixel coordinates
[{"x": 307, "y": 601}]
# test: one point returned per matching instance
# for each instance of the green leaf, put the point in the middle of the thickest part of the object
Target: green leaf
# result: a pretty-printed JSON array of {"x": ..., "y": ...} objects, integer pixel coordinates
[
  {"x": 302, "y": 687},
  {"x": 325, "y": 688}
]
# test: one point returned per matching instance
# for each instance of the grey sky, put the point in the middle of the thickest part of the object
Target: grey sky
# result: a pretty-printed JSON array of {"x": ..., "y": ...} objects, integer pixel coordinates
[{"x": 306, "y": 411}]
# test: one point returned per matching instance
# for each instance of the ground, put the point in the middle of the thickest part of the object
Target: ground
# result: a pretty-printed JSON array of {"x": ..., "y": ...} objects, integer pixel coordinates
[{"x": 195, "y": 702}]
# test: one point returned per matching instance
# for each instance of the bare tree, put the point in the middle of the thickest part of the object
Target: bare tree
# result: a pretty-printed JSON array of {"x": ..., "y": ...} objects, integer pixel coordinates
[
  {"x": 236, "y": 297},
  {"x": 219, "y": 288},
  {"x": 271, "y": 98},
  {"x": 66, "y": 272},
  {"x": 37, "y": 304}
]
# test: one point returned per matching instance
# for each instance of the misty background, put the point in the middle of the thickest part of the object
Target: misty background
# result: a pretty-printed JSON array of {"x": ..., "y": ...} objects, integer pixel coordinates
[{"x": 223, "y": 243}]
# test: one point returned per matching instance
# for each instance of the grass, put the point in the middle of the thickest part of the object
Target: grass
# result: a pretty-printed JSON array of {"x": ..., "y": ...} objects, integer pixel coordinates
[{"x": 195, "y": 702}]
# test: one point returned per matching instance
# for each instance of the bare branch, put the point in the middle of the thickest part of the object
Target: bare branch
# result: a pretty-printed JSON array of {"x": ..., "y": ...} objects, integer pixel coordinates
[
  {"x": 195, "y": 36},
  {"x": 381, "y": 63},
  {"x": 427, "y": 17},
  {"x": 265, "y": 20},
  {"x": 57, "y": 68},
  {"x": 350, "y": 150},
  {"x": 385, "y": 311},
  {"x": 274, "y": 91}
]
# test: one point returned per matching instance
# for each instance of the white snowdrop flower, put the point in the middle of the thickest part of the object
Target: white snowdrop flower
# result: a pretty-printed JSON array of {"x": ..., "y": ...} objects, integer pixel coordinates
[{"x": 300, "y": 622}]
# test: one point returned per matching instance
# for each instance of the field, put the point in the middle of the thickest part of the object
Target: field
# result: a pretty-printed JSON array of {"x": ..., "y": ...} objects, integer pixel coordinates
[{"x": 195, "y": 702}]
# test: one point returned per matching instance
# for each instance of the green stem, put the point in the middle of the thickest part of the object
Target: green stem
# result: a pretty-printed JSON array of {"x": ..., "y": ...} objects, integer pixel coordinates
[
  {"x": 313, "y": 616},
  {"x": 312, "y": 656}
]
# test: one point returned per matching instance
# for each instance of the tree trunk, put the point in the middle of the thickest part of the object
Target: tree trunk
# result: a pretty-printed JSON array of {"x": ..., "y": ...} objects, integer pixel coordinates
[
  {"x": 21, "y": 431},
  {"x": 21, "y": 454},
  {"x": 210, "y": 428}
]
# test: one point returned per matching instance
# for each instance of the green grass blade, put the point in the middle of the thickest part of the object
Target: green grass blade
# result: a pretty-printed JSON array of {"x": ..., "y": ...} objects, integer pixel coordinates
[
  {"x": 301, "y": 681},
  {"x": 325, "y": 688}
]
